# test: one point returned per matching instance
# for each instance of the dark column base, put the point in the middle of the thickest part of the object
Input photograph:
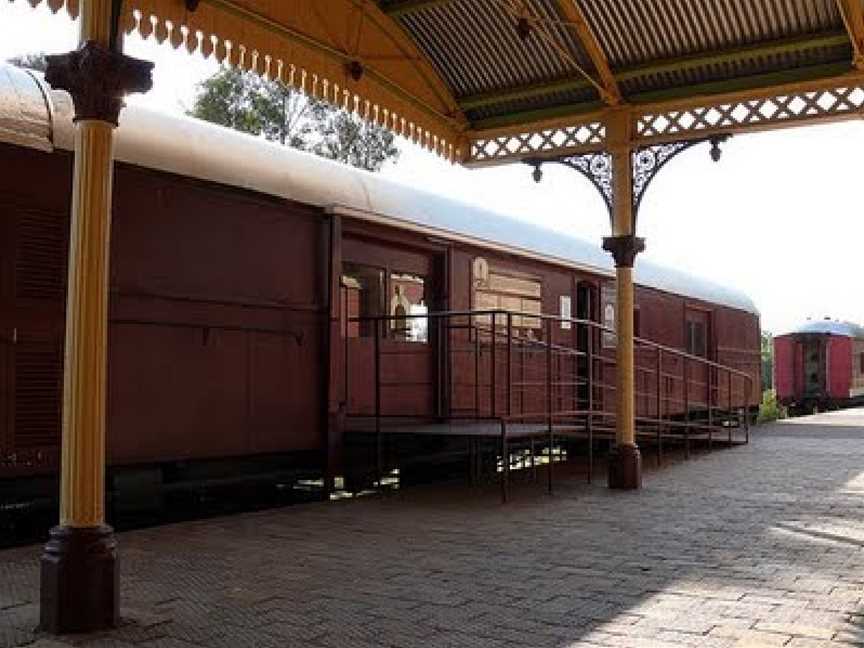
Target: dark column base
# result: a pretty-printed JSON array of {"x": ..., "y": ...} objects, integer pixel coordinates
[
  {"x": 80, "y": 589},
  {"x": 625, "y": 467}
]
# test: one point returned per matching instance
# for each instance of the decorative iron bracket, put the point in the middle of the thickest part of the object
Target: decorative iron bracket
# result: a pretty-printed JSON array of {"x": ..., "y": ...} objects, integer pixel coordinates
[
  {"x": 597, "y": 167},
  {"x": 646, "y": 162}
]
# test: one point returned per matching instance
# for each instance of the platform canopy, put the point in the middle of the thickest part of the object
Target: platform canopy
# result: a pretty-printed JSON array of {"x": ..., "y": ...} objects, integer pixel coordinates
[{"x": 490, "y": 81}]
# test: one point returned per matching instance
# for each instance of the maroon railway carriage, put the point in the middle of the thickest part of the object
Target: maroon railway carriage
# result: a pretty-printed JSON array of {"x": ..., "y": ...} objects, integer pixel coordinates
[
  {"x": 820, "y": 365},
  {"x": 237, "y": 269}
]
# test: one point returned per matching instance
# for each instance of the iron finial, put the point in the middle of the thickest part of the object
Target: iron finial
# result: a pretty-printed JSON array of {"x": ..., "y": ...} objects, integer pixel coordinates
[{"x": 537, "y": 173}]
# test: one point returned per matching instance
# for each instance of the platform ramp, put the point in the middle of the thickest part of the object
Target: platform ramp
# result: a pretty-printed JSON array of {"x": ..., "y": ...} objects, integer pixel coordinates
[{"x": 524, "y": 384}]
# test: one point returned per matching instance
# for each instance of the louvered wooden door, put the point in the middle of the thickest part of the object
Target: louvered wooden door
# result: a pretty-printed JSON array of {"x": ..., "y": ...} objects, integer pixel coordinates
[{"x": 34, "y": 267}]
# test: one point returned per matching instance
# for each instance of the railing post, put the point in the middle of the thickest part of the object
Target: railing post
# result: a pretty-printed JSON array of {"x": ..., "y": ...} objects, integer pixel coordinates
[
  {"x": 509, "y": 363},
  {"x": 590, "y": 419},
  {"x": 710, "y": 382},
  {"x": 686, "y": 376},
  {"x": 505, "y": 463},
  {"x": 346, "y": 382},
  {"x": 449, "y": 354},
  {"x": 492, "y": 371},
  {"x": 730, "y": 409},
  {"x": 659, "y": 369},
  {"x": 439, "y": 343},
  {"x": 549, "y": 395},
  {"x": 747, "y": 393},
  {"x": 476, "y": 330},
  {"x": 377, "y": 365}
]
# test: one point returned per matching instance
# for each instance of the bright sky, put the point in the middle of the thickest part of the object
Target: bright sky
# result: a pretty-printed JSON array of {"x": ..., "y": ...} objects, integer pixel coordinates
[{"x": 781, "y": 217}]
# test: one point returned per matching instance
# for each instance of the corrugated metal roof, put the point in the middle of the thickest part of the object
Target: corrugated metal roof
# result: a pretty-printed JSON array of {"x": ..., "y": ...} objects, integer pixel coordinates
[
  {"x": 636, "y": 32},
  {"x": 474, "y": 46},
  {"x": 185, "y": 146}
]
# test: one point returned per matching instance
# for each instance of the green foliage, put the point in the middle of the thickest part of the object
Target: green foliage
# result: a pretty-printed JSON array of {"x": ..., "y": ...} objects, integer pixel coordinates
[
  {"x": 30, "y": 61},
  {"x": 770, "y": 409},
  {"x": 767, "y": 360},
  {"x": 350, "y": 140},
  {"x": 245, "y": 102}
]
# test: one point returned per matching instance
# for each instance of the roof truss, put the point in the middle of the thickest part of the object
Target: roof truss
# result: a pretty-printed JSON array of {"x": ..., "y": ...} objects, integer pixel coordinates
[
  {"x": 402, "y": 7},
  {"x": 785, "y": 46},
  {"x": 576, "y": 20},
  {"x": 853, "y": 17}
]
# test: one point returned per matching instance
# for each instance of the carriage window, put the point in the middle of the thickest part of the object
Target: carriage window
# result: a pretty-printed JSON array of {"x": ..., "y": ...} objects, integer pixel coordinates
[
  {"x": 696, "y": 339},
  {"x": 363, "y": 296},
  {"x": 407, "y": 303},
  {"x": 608, "y": 304},
  {"x": 500, "y": 289}
]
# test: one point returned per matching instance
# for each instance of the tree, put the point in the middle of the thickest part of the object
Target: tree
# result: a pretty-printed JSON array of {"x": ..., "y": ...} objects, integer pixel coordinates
[
  {"x": 347, "y": 138},
  {"x": 245, "y": 102},
  {"x": 35, "y": 62},
  {"x": 767, "y": 360}
]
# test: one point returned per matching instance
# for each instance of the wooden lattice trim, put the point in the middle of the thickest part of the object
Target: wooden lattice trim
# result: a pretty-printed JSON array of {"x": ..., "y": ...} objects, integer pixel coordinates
[
  {"x": 235, "y": 35},
  {"x": 751, "y": 114},
  {"x": 552, "y": 140}
]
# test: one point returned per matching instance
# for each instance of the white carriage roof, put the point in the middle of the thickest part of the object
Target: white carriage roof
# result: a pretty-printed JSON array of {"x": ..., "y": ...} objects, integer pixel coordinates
[
  {"x": 827, "y": 327},
  {"x": 30, "y": 114}
]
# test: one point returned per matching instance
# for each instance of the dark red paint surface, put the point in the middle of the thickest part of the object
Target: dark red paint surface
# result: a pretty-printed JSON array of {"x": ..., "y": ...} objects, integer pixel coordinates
[{"x": 227, "y": 322}]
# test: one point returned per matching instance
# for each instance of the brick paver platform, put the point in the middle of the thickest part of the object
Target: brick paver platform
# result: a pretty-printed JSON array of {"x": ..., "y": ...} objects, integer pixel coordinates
[{"x": 754, "y": 546}]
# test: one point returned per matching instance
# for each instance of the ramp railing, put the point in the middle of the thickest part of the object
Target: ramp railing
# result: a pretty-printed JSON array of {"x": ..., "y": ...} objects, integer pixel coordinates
[{"x": 518, "y": 375}]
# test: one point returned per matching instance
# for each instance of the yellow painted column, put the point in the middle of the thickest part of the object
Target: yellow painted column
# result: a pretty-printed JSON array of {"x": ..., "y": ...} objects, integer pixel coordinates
[
  {"x": 82, "y": 476},
  {"x": 625, "y": 462},
  {"x": 79, "y": 577},
  {"x": 625, "y": 429},
  {"x": 623, "y": 226}
]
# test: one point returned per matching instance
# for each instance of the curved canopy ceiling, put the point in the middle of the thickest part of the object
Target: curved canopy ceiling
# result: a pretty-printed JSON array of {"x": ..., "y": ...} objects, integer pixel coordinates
[{"x": 486, "y": 81}]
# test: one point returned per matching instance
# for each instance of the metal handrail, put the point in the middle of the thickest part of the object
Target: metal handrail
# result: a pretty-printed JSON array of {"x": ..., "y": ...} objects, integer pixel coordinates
[
  {"x": 555, "y": 318},
  {"x": 563, "y": 377}
]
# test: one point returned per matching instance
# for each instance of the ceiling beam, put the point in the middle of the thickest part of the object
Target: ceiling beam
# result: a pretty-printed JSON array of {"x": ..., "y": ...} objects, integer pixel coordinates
[
  {"x": 853, "y": 17},
  {"x": 753, "y": 82},
  {"x": 759, "y": 83},
  {"x": 576, "y": 19},
  {"x": 396, "y": 8},
  {"x": 661, "y": 67}
]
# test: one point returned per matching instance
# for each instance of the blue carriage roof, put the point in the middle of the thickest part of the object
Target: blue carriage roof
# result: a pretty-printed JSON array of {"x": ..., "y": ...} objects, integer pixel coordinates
[
  {"x": 33, "y": 115},
  {"x": 827, "y": 327}
]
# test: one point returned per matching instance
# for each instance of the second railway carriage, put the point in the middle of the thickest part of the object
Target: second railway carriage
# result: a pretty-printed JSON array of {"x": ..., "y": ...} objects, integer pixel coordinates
[
  {"x": 820, "y": 365},
  {"x": 242, "y": 271}
]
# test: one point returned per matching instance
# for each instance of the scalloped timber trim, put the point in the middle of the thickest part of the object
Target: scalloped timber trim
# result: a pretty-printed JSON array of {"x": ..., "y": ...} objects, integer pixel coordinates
[{"x": 404, "y": 115}]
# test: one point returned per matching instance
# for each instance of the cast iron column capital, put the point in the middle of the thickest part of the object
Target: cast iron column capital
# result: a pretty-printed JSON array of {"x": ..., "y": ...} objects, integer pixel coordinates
[
  {"x": 98, "y": 79},
  {"x": 624, "y": 249}
]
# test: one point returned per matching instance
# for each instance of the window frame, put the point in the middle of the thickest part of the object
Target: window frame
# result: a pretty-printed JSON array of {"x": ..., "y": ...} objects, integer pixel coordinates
[
  {"x": 526, "y": 326},
  {"x": 690, "y": 327}
]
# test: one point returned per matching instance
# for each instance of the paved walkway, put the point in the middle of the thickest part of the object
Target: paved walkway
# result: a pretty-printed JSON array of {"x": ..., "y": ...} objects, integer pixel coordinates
[{"x": 755, "y": 546}]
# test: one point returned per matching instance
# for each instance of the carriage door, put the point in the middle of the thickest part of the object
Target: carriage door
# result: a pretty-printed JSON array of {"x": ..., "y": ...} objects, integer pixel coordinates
[
  {"x": 395, "y": 286},
  {"x": 813, "y": 349},
  {"x": 698, "y": 343}
]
